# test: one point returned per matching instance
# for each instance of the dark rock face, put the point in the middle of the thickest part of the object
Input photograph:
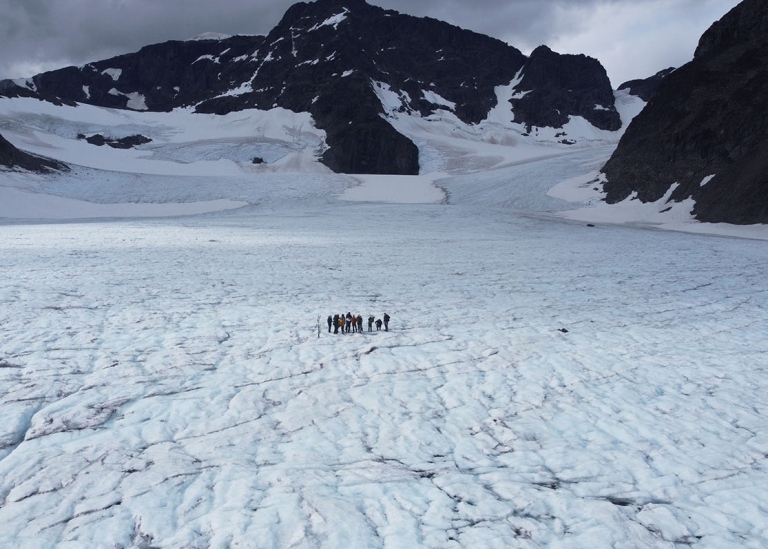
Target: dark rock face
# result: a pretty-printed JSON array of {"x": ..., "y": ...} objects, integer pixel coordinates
[
  {"x": 707, "y": 118},
  {"x": 327, "y": 58},
  {"x": 13, "y": 158},
  {"x": 168, "y": 75},
  {"x": 645, "y": 88},
  {"x": 9, "y": 88},
  {"x": 562, "y": 85}
]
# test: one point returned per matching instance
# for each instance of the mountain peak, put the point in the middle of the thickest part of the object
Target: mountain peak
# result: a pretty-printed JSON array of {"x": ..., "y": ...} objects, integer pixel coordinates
[
  {"x": 352, "y": 66},
  {"x": 565, "y": 85},
  {"x": 745, "y": 24}
]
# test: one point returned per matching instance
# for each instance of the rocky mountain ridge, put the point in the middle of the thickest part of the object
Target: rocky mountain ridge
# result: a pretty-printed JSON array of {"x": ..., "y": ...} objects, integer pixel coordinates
[
  {"x": 327, "y": 58},
  {"x": 645, "y": 88},
  {"x": 705, "y": 130}
]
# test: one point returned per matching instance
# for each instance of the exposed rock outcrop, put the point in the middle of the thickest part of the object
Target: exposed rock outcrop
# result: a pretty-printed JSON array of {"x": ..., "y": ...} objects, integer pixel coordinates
[
  {"x": 645, "y": 88},
  {"x": 706, "y": 128},
  {"x": 557, "y": 86},
  {"x": 127, "y": 142},
  {"x": 13, "y": 158}
]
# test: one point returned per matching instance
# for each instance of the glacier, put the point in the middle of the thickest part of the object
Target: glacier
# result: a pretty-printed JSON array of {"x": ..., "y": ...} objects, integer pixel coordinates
[{"x": 553, "y": 375}]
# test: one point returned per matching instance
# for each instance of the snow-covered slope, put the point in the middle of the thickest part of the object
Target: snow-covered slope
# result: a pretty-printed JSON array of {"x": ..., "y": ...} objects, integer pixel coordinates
[
  {"x": 209, "y": 159},
  {"x": 182, "y": 142}
]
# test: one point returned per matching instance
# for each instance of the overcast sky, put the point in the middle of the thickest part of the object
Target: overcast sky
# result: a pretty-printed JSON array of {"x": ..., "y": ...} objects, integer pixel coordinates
[{"x": 632, "y": 38}]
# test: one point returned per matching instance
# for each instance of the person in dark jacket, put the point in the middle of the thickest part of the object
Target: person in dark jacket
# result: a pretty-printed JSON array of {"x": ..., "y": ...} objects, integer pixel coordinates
[
  {"x": 335, "y": 324},
  {"x": 330, "y": 323},
  {"x": 348, "y": 322},
  {"x": 378, "y": 324},
  {"x": 386, "y": 322},
  {"x": 370, "y": 323},
  {"x": 360, "y": 324}
]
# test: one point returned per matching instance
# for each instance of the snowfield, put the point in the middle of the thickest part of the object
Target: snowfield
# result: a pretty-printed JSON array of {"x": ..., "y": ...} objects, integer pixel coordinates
[{"x": 556, "y": 374}]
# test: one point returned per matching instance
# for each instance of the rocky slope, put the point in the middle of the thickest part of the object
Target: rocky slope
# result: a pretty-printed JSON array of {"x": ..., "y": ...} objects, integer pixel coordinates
[
  {"x": 645, "y": 88},
  {"x": 706, "y": 127},
  {"x": 13, "y": 158},
  {"x": 328, "y": 58}
]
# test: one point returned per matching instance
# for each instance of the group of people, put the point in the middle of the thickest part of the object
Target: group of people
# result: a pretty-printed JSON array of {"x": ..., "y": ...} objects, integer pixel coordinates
[{"x": 354, "y": 323}]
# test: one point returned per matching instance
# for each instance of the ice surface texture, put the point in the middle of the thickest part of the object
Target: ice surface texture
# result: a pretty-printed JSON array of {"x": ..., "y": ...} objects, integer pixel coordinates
[{"x": 164, "y": 384}]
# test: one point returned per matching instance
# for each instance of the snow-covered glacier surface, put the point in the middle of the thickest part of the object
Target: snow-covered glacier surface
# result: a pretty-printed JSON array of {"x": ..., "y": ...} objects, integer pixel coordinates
[
  {"x": 543, "y": 383},
  {"x": 551, "y": 377}
]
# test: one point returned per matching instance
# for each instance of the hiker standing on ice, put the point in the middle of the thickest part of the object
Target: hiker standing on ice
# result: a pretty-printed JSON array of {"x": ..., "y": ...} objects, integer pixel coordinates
[
  {"x": 341, "y": 323},
  {"x": 330, "y": 323},
  {"x": 335, "y": 324},
  {"x": 370, "y": 323},
  {"x": 348, "y": 321},
  {"x": 386, "y": 322},
  {"x": 378, "y": 324},
  {"x": 360, "y": 324}
]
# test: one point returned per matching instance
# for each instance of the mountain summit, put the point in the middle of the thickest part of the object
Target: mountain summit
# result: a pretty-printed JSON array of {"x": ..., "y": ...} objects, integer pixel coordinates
[{"x": 334, "y": 59}]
